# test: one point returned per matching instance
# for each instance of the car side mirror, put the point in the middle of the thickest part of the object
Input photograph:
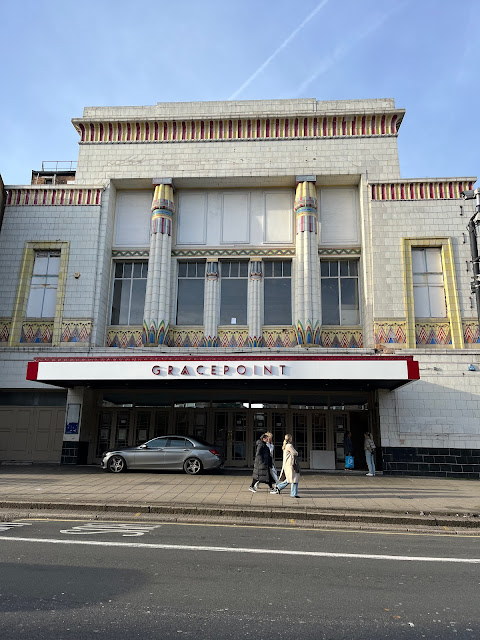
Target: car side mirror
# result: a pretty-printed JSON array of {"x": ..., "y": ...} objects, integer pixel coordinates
[{"x": 143, "y": 446}]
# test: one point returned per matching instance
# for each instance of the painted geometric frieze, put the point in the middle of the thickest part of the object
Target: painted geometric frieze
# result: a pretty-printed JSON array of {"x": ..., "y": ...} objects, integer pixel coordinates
[
  {"x": 471, "y": 332},
  {"x": 333, "y": 126},
  {"x": 274, "y": 337},
  {"x": 341, "y": 338},
  {"x": 186, "y": 338},
  {"x": 354, "y": 251},
  {"x": 131, "y": 253},
  {"x": 433, "y": 333},
  {"x": 251, "y": 251},
  {"x": 76, "y": 331},
  {"x": 59, "y": 196},
  {"x": 391, "y": 332},
  {"x": 5, "y": 324},
  {"x": 37, "y": 332},
  {"x": 233, "y": 338},
  {"x": 124, "y": 337},
  {"x": 418, "y": 190}
]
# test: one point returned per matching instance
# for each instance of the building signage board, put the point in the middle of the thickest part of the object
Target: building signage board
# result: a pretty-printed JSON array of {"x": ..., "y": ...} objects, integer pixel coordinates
[{"x": 334, "y": 368}]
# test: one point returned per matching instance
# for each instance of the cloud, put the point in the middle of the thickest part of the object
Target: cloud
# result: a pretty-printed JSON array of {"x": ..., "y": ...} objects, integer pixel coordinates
[{"x": 286, "y": 42}]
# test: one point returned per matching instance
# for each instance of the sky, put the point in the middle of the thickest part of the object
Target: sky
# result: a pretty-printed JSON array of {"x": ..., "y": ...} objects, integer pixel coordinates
[{"x": 59, "y": 56}]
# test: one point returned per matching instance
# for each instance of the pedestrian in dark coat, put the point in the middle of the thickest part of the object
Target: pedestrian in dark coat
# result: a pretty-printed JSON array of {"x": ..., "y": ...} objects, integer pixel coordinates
[{"x": 262, "y": 465}]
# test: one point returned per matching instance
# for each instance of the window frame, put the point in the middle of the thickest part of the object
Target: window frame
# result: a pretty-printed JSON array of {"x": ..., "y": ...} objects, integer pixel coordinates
[
  {"x": 223, "y": 277},
  {"x": 275, "y": 277},
  {"x": 45, "y": 285},
  {"x": 115, "y": 278},
  {"x": 428, "y": 286},
  {"x": 338, "y": 278},
  {"x": 188, "y": 277}
]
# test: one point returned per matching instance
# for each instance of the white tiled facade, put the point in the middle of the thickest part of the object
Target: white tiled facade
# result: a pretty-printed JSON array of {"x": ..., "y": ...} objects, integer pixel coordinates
[{"x": 302, "y": 181}]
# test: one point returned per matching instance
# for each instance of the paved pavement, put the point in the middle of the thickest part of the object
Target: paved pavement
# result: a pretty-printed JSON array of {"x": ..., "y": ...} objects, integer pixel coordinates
[{"x": 348, "y": 497}]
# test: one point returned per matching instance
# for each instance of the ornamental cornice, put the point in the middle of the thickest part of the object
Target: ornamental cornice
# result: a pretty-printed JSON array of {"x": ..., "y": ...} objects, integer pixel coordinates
[
  {"x": 38, "y": 196},
  {"x": 246, "y": 252},
  {"x": 147, "y": 130},
  {"x": 421, "y": 189}
]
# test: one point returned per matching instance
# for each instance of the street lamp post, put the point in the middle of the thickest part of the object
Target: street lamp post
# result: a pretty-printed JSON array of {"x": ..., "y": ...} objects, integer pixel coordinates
[{"x": 474, "y": 194}]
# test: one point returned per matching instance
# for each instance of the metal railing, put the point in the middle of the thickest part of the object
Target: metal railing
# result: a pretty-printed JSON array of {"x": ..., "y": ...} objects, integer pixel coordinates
[{"x": 59, "y": 165}]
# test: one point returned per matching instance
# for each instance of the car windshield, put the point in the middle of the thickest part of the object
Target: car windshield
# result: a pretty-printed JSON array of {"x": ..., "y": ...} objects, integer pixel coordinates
[{"x": 201, "y": 441}]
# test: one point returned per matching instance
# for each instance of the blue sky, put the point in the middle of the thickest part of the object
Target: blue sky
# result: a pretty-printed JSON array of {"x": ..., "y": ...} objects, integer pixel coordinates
[{"x": 58, "y": 57}]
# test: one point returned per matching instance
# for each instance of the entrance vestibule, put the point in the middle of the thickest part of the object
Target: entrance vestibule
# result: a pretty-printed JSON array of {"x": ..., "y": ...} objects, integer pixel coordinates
[{"x": 318, "y": 425}]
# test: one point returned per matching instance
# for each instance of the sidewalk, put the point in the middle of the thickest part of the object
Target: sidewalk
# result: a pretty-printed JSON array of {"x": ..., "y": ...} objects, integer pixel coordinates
[{"x": 350, "y": 497}]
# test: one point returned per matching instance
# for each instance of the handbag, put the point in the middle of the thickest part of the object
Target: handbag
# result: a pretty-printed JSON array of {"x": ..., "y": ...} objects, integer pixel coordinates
[
  {"x": 349, "y": 462},
  {"x": 296, "y": 465}
]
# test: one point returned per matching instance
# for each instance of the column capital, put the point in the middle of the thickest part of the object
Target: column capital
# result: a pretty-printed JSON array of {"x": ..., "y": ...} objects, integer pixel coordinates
[
  {"x": 169, "y": 181},
  {"x": 305, "y": 179}
]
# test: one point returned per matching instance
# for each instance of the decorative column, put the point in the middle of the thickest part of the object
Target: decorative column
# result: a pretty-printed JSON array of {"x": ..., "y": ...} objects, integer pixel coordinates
[
  {"x": 211, "y": 305},
  {"x": 157, "y": 296},
  {"x": 307, "y": 273},
  {"x": 255, "y": 303}
]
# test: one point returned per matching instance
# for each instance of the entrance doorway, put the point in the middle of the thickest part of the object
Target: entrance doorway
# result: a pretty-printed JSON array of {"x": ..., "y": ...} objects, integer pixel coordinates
[{"x": 318, "y": 433}]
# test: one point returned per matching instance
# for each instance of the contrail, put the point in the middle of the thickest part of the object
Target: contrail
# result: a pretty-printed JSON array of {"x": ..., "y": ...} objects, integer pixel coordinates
[
  {"x": 343, "y": 49},
  {"x": 277, "y": 51}
]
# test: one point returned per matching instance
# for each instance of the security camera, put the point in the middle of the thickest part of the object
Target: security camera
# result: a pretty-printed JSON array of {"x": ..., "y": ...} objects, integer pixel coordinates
[{"x": 469, "y": 194}]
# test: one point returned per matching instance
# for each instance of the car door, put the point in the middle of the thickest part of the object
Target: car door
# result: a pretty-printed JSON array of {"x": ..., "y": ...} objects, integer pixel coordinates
[
  {"x": 176, "y": 452},
  {"x": 150, "y": 455}
]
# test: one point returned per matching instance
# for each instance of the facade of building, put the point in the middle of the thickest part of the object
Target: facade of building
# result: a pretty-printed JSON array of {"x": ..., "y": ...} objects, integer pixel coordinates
[{"x": 220, "y": 269}]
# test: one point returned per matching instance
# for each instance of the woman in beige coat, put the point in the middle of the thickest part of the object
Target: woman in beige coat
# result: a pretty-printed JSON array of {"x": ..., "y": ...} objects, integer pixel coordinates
[{"x": 288, "y": 475}]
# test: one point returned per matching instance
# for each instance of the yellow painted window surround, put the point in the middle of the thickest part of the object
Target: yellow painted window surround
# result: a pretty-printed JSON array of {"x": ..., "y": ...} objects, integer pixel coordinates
[
  {"x": 24, "y": 283},
  {"x": 449, "y": 279}
]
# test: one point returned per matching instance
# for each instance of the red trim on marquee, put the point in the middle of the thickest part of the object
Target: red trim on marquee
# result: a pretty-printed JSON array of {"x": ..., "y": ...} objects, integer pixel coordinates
[
  {"x": 413, "y": 370},
  {"x": 164, "y": 358},
  {"x": 32, "y": 371}
]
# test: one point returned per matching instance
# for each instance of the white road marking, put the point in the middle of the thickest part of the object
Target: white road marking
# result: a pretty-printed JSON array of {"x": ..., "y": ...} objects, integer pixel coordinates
[
  {"x": 284, "y": 552},
  {"x": 127, "y": 530},
  {"x": 5, "y": 526}
]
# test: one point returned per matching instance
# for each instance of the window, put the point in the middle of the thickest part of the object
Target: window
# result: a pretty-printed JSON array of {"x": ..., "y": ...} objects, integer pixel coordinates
[
  {"x": 277, "y": 292},
  {"x": 234, "y": 288},
  {"x": 43, "y": 289},
  {"x": 428, "y": 286},
  {"x": 340, "y": 304},
  {"x": 129, "y": 284},
  {"x": 191, "y": 286}
]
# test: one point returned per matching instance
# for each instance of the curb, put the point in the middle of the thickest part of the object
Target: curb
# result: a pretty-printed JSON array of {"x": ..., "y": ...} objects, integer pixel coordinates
[{"x": 205, "y": 512}]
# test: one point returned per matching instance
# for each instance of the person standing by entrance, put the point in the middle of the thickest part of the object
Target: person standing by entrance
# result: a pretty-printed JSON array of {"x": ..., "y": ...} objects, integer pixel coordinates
[
  {"x": 369, "y": 446},
  {"x": 348, "y": 451},
  {"x": 271, "y": 446},
  {"x": 262, "y": 465},
  {"x": 290, "y": 473}
]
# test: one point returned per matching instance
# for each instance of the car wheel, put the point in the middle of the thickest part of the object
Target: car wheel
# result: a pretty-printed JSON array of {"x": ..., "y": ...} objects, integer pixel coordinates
[
  {"x": 192, "y": 466},
  {"x": 116, "y": 464}
]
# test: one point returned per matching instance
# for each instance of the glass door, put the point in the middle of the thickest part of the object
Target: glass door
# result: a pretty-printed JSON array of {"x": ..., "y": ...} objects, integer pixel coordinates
[
  {"x": 340, "y": 428},
  {"x": 237, "y": 440},
  {"x": 278, "y": 427},
  {"x": 299, "y": 434}
]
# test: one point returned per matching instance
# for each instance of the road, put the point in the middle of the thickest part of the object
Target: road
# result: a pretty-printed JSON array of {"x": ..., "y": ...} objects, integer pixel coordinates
[{"x": 82, "y": 579}]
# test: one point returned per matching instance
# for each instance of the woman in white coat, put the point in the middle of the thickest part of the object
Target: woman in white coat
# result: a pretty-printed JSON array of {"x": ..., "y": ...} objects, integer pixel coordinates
[{"x": 288, "y": 475}]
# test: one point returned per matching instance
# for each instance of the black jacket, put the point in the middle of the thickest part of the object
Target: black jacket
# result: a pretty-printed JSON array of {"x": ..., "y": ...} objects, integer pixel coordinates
[{"x": 262, "y": 464}]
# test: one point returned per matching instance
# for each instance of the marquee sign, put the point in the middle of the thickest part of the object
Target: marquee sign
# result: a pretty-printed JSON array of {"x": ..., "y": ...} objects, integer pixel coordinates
[{"x": 148, "y": 368}]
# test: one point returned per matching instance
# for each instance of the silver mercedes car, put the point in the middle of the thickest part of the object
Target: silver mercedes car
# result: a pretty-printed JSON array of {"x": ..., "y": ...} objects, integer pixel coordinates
[{"x": 193, "y": 455}]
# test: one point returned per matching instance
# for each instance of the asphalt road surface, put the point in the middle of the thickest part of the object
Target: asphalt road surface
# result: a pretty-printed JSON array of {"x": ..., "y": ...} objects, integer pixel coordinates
[{"x": 71, "y": 579}]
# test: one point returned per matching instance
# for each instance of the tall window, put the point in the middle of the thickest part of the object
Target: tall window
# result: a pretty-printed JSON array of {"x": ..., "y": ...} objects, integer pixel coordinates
[
  {"x": 191, "y": 286},
  {"x": 340, "y": 303},
  {"x": 277, "y": 292},
  {"x": 129, "y": 284},
  {"x": 428, "y": 287},
  {"x": 44, "y": 285},
  {"x": 233, "y": 296}
]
